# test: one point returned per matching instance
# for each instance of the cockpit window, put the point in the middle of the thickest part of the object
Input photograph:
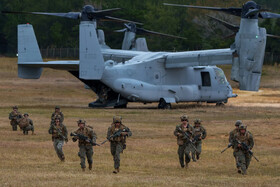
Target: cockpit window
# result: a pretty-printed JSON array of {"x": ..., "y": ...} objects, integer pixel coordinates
[{"x": 220, "y": 76}]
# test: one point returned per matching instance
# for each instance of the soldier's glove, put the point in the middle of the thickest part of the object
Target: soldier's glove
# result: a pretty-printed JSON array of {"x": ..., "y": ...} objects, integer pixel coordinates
[
  {"x": 124, "y": 134},
  {"x": 74, "y": 139}
]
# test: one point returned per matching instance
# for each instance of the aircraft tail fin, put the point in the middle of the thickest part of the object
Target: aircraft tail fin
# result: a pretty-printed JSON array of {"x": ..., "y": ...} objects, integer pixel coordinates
[
  {"x": 91, "y": 65},
  {"x": 28, "y": 51}
]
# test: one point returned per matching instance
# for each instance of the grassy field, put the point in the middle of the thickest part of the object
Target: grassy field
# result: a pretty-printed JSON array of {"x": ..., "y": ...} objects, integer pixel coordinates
[{"x": 151, "y": 155}]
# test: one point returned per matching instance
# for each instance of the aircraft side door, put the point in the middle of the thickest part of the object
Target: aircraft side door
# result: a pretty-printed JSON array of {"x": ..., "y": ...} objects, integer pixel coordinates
[{"x": 206, "y": 86}]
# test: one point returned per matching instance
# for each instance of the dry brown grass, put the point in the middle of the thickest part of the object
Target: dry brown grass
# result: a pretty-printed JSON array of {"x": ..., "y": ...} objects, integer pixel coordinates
[{"x": 151, "y": 155}]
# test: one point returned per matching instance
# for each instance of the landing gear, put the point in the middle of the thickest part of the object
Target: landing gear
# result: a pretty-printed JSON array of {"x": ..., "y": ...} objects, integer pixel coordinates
[
  {"x": 121, "y": 106},
  {"x": 163, "y": 105},
  {"x": 220, "y": 104}
]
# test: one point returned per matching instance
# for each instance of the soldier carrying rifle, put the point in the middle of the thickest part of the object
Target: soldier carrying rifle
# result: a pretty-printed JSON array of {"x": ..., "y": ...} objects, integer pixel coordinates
[
  {"x": 117, "y": 143},
  {"x": 199, "y": 135},
  {"x": 87, "y": 138},
  {"x": 14, "y": 116},
  {"x": 59, "y": 135}
]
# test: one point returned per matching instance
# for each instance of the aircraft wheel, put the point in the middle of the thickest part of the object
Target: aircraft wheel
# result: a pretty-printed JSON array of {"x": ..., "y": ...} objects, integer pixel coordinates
[
  {"x": 163, "y": 105},
  {"x": 220, "y": 104},
  {"x": 121, "y": 106}
]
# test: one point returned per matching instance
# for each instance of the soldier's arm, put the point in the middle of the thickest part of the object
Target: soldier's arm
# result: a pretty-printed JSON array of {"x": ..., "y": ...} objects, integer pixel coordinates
[
  {"x": 177, "y": 132},
  {"x": 62, "y": 116},
  {"x": 51, "y": 129},
  {"x": 65, "y": 131},
  {"x": 251, "y": 141},
  {"x": 230, "y": 138},
  {"x": 109, "y": 133},
  {"x": 129, "y": 133},
  {"x": 93, "y": 136},
  {"x": 30, "y": 122},
  {"x": 204, "y": 133}
]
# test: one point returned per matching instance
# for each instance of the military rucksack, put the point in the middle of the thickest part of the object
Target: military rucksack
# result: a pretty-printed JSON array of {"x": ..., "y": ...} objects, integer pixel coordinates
[{"x": 23, "y": 122}]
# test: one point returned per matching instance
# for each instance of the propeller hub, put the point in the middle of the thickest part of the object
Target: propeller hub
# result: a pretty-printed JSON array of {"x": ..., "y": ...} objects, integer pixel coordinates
[
  {"x": 88, "y": 13},
  {"x": 250, "y": 10}
]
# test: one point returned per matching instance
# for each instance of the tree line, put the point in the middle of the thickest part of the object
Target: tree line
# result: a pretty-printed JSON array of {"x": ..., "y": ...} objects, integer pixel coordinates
[{"x": 201, "y": 32}]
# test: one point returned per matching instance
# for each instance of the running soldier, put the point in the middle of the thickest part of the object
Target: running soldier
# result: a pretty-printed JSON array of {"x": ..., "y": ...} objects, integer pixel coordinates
[
  {"x": 14, "y": 116},
  {"x": 243, "y": 139},
  {"x": 184, "y": 133},
  {"x": 59, "y": 135},
  {"x": 199, "y": 135},
  {"x": 85, "y": 135},
  {"x": 117, "y": 134}
]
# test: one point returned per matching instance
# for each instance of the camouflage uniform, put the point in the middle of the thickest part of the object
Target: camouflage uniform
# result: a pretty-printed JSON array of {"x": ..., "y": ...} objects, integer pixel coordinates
[
  {"x": 184, "y": 148},
  {"x": 57, "y": 114},
  {"x": 29, "y": 127},
  {"x": 57, "y": 139},
  {"x": 231, "y": 138},
  {"x": 243, "y": 158},
  {"x": 14, "y": 116},
  {"x": 199, "y": 135},
  {"x": 85, "y": 148},
  {"x": 117, "y": 144}
]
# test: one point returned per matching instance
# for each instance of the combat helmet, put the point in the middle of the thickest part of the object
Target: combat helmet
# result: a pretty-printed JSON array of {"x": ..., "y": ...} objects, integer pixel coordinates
[
  {"x": 197, "y": 121},
  {"x": 238, "y": 123},
  {"x": 25, "y": 114},
  {"x": 117, "y": 119},
  {"x": 184, "y": 118},
  {"x": 81, "y": 121},
  {"x": 15, "y": 107},
  {"x": 242, "y": 126},
  {"x": 57, "y": 107}
]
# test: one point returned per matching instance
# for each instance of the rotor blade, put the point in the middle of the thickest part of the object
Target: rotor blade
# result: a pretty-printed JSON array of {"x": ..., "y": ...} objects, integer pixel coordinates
[
  {"x": 252, "y": 12},
  {"x": 232, "y": 27},
  {"x": 272, "y": 36},
  {"x": 71, "y": 15},
  {"x": 121, "y": 30},
  {"x": 231, "y": 10},
  {"x": 144, "y": 31},
  {"x": 265, "y": 15},
  {"x": 107, "y": 11},
  {"x": 120, "y": 20}
]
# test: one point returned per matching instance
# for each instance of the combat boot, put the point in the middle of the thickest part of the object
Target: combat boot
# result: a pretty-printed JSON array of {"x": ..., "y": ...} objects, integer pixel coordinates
[
  {"x": 239, "y": 170},
  {"x": 197, "y": 157},
  {"x": 62, "y": 158},
  {"x": 90, "y": 166},
  {"x": 117, "y": 170}
]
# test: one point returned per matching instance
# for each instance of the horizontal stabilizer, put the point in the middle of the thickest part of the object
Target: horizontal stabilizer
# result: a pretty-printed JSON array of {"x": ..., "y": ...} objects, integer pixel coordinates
[{"x": 28, "y": 51}]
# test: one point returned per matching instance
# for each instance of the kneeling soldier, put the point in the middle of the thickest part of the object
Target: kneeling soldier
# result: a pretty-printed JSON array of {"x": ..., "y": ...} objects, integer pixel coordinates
[
  {"x": 199, "y": 134},
  {"x": 243, "y": 140},
  {"x": 117, "y": 134},
  {"x": 59, "y": 135},
  {"x": 86, "y": 136},
  {"x": 184, "y": 133},
  {"x": 29, "y": 126}
]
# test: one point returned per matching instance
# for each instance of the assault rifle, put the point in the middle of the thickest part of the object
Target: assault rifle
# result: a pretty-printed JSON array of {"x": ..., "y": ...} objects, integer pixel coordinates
[
  {"x": 229, "y": 145},
  {"x": 196, "y": 138},
  {"x": 84, "y": 138},
  {"x": 59, "y": 132},
  {"x": 116, "y": 134},
  {"x": 246, "y": 148},
  {"x": 187, "y": 137}
]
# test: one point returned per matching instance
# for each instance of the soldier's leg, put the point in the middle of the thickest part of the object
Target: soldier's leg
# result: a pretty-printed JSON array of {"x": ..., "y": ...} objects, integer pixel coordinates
[
  {"x": 82, "y": 155},
  {"x": 59, "y": 149},
  {"x": 193, "y": 154},
  {"x": 181, "y": 153},
  {"x": 236, "y": 162},
  {"x": 117, "y": 158},
  {"x": 188, "y": 150},
  {"x": 89, "y": 154},
  {"x": 198, "y": 148},
  {"x": 241, "y": 161},
  {"x": 113, "y": 147},
  {"x": 14, "y": 125},
  {"x": 248, "y": 158}
]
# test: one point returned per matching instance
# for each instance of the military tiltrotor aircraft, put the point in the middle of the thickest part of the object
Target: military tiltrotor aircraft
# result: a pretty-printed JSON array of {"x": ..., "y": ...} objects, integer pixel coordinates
[{"x": 164, "y": 77}]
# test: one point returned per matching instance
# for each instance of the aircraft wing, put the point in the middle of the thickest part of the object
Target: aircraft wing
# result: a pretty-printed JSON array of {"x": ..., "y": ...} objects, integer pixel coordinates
[
  {"x": 199, "y": 58},
  {"x": 60, "y": 65},
  {"x": 120, "y": 55}
]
